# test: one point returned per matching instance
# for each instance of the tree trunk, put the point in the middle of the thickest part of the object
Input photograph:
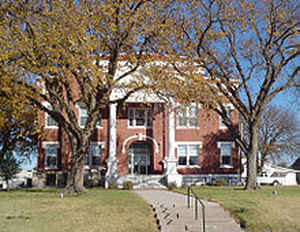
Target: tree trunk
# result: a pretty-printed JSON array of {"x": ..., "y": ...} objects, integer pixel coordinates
[
  {"x": 75, "y": 176},
  {"x": 252, "y": 159},
  {"x": 7, "y": 184}
]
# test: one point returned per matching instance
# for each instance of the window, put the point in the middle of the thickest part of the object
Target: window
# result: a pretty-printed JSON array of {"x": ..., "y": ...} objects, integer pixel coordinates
[
  {"x": 228, "y": 114},
  {"x": 50, "y": 149},
  {"x": 187, "y": 117},
  {"x": 93, "y": 158},
  {"x": 188, "y": 154},
  {"x": 139, "y": 117},
  {"x": 83, "y": 117},
  {"x": 225, "y": 153},
  {"x": 50, "y": 122}
]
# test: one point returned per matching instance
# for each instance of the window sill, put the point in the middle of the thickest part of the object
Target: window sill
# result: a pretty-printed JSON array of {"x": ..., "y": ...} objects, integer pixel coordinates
[
  {"x": 51, "y": 127},
  {"x": 226, "y": 166},
  {"x": 50, "y": 168},
  {"x": 188, "y": 166},
  {"x": 97, "y": 127},
  {"x": 223, "y": 128},
  {"x": 187, "y": 127},
  {"x": 139, "y": 127},
  {"x": 91, "y": 167}
]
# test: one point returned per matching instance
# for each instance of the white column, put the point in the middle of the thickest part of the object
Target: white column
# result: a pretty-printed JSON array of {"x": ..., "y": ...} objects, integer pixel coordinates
[
  {"x": 171, "y": 160},
  {"x": 171, "y": 134},
  {"x": 112, "y": 162}
]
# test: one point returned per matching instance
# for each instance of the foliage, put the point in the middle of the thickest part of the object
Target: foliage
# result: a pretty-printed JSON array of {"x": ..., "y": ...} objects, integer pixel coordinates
[
  {"x": 128, "y": 185},
  {"x": 18, "y": 132},
  {"x": 221, "y": 182},
  {"x": 279, "y": 135},
  {"x": 93, "y": 179},
  {"x": 9, "y": 167},
  {"x": 250, "y": 54},
  {"x": 171, "y": 186},
  {"x": 113, "y": 185},
  {"x": 69, "y": 53}
]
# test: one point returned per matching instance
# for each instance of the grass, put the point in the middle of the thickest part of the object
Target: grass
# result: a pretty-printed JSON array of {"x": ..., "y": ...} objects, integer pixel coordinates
[
  {"x": 258, "y": 211},
  {"x": 99, "y": 210}
]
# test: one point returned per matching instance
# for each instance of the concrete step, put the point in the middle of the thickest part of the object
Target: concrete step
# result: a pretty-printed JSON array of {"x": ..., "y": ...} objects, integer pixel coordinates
[
  {"x": 145, "y": 181},
  {"x": 172, "y": 215}
]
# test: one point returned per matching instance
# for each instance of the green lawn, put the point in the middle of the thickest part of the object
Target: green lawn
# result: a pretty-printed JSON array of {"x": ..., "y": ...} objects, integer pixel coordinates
[
  {"x": 258, "y": 211},
  {"x": 99, "y": 210}
]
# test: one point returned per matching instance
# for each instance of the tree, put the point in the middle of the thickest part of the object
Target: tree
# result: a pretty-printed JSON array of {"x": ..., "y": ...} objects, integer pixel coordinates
[
  {"x": 9, "y": 167},
  {"x": 92, "y": 47},
  {"x": 18, "y": 132},
  {"x": 279, "y": 135},
  {"x": 250, "y": 53}
]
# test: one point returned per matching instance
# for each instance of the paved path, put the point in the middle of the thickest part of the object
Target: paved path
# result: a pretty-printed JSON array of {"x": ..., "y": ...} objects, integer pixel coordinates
[{"x": 172, "y": 213}]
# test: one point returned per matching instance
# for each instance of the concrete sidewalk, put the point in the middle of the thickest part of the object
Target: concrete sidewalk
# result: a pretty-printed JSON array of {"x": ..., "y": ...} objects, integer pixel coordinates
[{"x": 172, "y": 214}]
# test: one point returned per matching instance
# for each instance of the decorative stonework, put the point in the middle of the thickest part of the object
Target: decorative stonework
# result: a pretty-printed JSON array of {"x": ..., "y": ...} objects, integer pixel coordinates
[{"x": 140, "y": 137}]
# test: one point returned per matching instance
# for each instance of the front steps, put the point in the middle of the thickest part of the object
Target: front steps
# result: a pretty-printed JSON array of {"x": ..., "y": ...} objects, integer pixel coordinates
[{"x": 144, "y": 181}]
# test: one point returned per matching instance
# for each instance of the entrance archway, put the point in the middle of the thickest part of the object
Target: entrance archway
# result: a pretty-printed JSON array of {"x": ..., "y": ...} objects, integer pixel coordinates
[{"x": 139, "y": 158}]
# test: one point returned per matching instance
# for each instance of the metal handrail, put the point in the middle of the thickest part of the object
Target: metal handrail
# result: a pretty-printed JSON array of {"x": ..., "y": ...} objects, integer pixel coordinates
[{"x": 191, "y": 191}]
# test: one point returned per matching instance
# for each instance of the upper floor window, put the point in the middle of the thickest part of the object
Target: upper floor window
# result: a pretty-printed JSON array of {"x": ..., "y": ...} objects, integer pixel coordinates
[
  {"x": 83, "y": 117},
  {"x": 50, "y": 122},
  {"x": 225, "y": 153},
  {"x": 93, "y": 158},
  {"x": 188, "y": 154},
  {"x": 228, "y": 114},
  {"x": 187, "y": 116},
  {"x": 51, "y": 150},
  {"x": 139, "y": 117}
]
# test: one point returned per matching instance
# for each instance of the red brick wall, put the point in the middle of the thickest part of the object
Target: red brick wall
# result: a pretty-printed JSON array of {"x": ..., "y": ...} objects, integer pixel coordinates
[{"x": 208, "y": 132}]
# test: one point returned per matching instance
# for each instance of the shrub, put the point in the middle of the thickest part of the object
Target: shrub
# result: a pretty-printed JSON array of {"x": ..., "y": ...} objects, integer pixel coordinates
[
  {"x": 128, "y": 185},
  {"x": 113, "y": 185},
  {"x": 172, "y": 185},
  {"x": 221, "y": 182}
]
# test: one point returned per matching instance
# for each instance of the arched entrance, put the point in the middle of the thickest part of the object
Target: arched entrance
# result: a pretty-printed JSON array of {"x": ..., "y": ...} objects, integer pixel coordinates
[{"x": 139, "y": 158}]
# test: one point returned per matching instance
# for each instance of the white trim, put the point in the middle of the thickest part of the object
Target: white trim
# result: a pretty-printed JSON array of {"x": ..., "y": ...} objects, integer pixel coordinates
[
  {"x": 99, "y": 143},
  {"x": 45, "y": 143},
  {"x": 226, "y": 166},
  {"x": 219, "y": 144},
  {"x": 226, "y": 143},
  {"x": 102, "y": 144},
  {"x": 139, "y": 136},
  {"x": 187, "y": 116},
  {"x": 146, "y": 109},
  {"x": 48, "y": 106},
  {"x": 198, "y": 143},
  {"x": 46, "y": 122},
  {"x": 77, "y": 105},
  {"x": 44, "y": 146},
  {"x": 227, "y": 106}
]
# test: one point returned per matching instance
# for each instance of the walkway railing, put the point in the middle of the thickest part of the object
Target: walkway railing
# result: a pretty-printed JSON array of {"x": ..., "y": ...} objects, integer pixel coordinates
[{"x": 192, "y": 194}]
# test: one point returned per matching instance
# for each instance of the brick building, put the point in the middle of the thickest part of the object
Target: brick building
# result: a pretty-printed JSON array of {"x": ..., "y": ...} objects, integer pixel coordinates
[{"x": 148, "y": 144}]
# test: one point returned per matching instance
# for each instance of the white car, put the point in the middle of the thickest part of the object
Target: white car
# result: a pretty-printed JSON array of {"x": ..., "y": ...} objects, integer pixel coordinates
[{"x": 275, "y": 178}]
